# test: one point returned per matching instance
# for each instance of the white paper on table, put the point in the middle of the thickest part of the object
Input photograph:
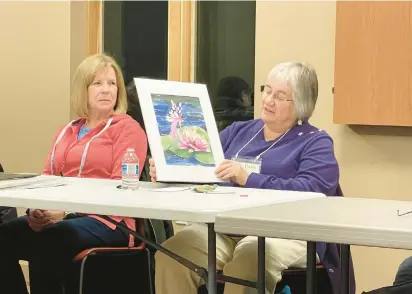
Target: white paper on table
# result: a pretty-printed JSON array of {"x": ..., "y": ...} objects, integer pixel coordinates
[
  {"x": 170, "y": 189},
  {"x": 33, "y": 183}
]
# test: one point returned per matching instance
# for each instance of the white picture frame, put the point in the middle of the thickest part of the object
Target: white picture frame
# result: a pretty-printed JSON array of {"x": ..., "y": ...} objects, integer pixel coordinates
[{"x": 181, "y": 129}]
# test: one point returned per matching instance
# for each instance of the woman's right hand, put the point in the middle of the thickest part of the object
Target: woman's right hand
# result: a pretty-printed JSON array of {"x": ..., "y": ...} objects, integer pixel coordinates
[
  {"x": 38, "y": 220},
  {"x": 152, "y": 170}
]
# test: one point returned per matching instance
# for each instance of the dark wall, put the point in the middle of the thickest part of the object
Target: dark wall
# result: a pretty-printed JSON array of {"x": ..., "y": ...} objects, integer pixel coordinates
[
  {"x": 225, "y": 42},
  {"x": 141, "y": 29}
]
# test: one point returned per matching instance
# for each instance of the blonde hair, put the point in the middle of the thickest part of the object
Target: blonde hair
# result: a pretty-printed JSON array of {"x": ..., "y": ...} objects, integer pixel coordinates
[{"x": 83, "y": 78}]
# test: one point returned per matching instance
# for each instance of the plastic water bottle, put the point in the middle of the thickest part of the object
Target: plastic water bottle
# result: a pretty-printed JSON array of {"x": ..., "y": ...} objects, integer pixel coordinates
[{"x": 130, "y": 170}]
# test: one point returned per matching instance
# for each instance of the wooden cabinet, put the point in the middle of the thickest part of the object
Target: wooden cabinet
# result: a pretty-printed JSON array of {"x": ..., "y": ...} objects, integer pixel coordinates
[{"x": 373, "y": 63}]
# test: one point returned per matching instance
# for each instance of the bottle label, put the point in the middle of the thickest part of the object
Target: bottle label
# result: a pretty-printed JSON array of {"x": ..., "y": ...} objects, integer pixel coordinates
[{"x": 130, "y": 169}]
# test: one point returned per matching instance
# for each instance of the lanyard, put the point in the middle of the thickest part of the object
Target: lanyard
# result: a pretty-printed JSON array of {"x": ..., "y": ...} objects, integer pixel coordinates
[
  {"x": 274, "y": 143},
  {"x": 83, "y": 160}
]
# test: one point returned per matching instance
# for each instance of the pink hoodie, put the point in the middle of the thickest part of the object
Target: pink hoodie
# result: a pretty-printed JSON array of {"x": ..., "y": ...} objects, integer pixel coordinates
[{"x": 104, "y": 155}]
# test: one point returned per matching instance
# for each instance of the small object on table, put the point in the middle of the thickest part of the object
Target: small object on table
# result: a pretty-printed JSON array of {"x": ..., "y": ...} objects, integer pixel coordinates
[
  {"x": 210, "y": 189},
  {"x": 205, "y": 188}
]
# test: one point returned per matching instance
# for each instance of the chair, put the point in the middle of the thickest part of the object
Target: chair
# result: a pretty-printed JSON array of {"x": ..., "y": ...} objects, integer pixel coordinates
[
  {"x": 139, "y": 259},
  {"x": 295, "y": 278},
  {"x": 131, "y": 263},
  {"x": 6, "y": 213}
]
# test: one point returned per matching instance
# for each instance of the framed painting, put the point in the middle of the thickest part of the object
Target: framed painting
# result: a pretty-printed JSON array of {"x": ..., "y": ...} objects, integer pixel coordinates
[{"x": 181, "y": 129}]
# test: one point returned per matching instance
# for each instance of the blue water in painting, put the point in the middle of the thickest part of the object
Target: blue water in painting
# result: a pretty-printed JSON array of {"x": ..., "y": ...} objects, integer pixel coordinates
[{"x": 193, "y": 116}]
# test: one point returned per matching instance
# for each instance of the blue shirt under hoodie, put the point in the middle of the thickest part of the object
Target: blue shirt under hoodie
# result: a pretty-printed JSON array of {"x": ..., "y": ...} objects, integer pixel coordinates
[{"x": 303, "y": 160}]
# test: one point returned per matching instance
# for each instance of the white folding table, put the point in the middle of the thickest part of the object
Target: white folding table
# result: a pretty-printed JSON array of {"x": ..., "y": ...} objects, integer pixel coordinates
[
  {"x": 341, "y": 220},
  {"x": 97, "y": 196}
]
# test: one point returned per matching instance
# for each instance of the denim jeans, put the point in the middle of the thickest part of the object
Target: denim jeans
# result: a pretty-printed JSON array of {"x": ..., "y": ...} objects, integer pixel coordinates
[{"x": 49, "y": 252}]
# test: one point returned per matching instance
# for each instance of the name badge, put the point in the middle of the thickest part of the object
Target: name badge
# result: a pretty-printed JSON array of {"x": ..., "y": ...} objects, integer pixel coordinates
[{"x": 250, "y": 164}]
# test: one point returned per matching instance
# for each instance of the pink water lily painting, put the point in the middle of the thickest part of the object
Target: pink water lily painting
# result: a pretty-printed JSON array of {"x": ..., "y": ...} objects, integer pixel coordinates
[{"x": 183, "y": 132}]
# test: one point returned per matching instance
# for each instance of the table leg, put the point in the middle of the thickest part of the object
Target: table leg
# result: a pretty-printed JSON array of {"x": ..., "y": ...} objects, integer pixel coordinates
[
  {"x": 261, "y": 283},
  {"x": 211, "y": 246},
  {"x": 311, "y": 268},
  {"x": 344, "y": 268}
]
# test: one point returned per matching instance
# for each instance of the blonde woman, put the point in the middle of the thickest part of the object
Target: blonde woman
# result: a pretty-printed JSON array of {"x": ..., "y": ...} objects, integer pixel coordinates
[{"x": 47, "y": 239}]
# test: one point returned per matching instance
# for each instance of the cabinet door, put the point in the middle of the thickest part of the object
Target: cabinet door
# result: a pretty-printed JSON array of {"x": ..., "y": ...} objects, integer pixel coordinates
[{"x": 373, "y": 63}]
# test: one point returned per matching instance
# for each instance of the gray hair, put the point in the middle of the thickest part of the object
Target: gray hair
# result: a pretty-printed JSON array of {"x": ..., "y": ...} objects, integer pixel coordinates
[{"x": 304, "y": 83}]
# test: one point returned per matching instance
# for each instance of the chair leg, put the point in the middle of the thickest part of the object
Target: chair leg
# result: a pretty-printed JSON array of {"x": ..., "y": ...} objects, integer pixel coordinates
[
  {"x": 149, "y": 266},
  {"x": 82, "y": 274}
]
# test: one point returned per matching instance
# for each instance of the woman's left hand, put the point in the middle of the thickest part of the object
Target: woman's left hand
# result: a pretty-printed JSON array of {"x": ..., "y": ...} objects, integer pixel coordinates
[
  {"x": 232, "y": 170},
  {"x": 54, "y": 215}
]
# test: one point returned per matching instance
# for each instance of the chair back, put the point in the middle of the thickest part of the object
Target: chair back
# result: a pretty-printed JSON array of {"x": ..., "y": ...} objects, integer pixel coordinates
[
  {"x": 145, "y": 175},
  {"x": 155, "y": 229}
]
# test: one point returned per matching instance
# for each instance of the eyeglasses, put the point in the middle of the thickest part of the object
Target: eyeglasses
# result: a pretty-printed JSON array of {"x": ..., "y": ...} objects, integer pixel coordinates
[{"x": 267, "y": 93}]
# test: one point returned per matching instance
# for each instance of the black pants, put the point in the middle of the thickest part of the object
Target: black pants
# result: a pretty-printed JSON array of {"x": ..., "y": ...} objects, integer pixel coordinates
[{"x": 49, "y": 252}]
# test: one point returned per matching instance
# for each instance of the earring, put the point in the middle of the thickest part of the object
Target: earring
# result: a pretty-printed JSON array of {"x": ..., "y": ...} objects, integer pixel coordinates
[{"x": 299, "y": 122}]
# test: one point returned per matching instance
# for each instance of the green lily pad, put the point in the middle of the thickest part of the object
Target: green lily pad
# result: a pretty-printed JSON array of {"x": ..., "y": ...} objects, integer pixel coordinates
[
  {"x": 166, "y": 142},
  {"x": 184, "y": 153},
  {"x": 205, "y": 157},
  {"x": 174, "y": 146}
]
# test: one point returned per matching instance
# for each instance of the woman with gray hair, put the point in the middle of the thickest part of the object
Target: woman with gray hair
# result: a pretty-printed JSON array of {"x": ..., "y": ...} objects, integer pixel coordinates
[{"x": 280, "y": 151}]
